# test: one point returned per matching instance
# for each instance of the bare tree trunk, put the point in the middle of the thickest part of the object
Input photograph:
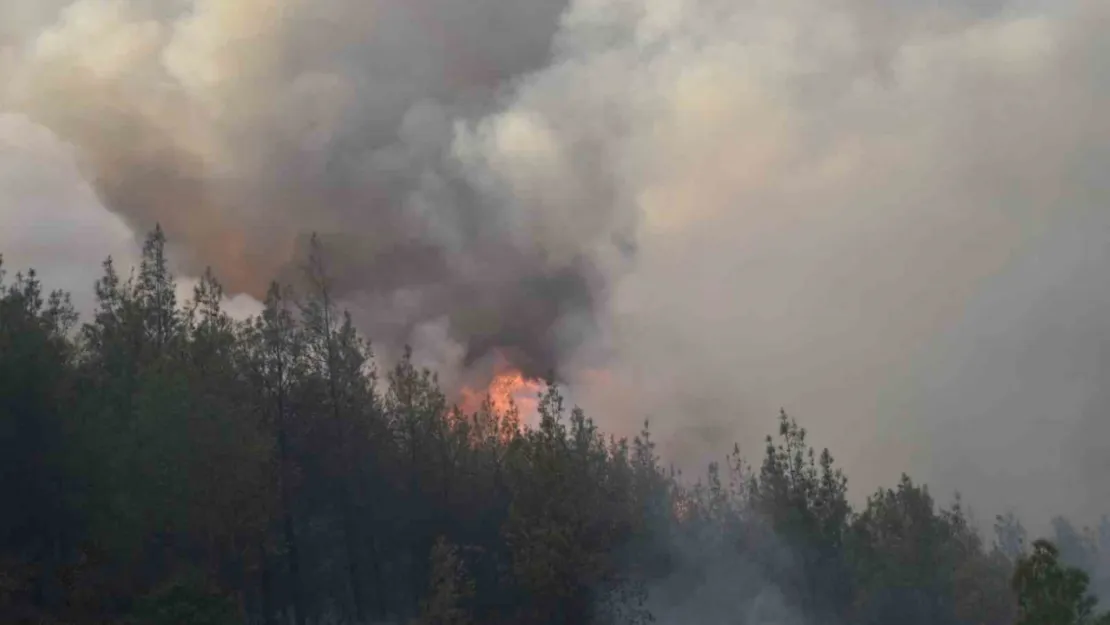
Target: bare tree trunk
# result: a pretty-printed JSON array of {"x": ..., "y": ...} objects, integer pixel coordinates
[
  {"x": 379, "y": 582},
  {"x": 268, "y": 612},
  {"x": 289, "y": 527},
  {"x": 354, "y": 571}
]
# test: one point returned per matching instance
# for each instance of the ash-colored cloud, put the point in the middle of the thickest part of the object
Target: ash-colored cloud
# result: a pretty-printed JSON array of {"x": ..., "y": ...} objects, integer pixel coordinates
[
  {"x": 821, "y": 193},
  {"x": 54, "y": 224},
  {"x": 696, "y": 210},
  {"x": 50, "y": 217},
  {"x": 244, "y": 126}
]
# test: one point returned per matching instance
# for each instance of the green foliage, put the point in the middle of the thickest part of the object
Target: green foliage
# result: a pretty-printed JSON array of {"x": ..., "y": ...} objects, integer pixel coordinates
[
  {"x": 917, "y": 564},
  {"x": 188, "y": 599},
  {"x": 1050, "y": 593},
  {"x": 450, "y": 586},
  {"x": 804, "y": 498},
  {"x": 163, "y": 463},
  {"x": 567, "y": 515}
]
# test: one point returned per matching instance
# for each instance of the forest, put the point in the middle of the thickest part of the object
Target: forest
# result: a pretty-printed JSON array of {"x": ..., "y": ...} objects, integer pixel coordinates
[{"x": 162, "y": 463}]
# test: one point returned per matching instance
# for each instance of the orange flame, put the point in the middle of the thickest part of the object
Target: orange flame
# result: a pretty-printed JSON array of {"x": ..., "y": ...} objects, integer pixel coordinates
[{"x": 507, "y": 389}]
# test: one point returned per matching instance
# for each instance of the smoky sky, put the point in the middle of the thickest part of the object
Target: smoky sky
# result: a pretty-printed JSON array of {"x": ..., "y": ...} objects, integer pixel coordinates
[
  {"x": 887, "y": 217},
  {"x": 241, "y": 127}
]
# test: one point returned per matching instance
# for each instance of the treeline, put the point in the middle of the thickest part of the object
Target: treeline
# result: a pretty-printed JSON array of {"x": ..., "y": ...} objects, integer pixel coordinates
[{"x": 163, "y": 464}]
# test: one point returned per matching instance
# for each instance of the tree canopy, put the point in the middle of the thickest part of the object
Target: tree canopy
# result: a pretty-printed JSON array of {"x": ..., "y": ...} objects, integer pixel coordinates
[{"x": 163, "y": 463}]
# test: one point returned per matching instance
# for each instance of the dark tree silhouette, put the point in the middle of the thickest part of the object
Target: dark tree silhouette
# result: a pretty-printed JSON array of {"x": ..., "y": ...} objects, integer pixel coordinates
[
  {"x": 1051, "y": 592},
  {"x": 163, "y": 463}
]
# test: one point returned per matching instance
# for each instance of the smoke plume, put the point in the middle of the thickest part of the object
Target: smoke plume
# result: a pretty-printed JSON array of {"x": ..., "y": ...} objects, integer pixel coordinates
[
  {"x": 694, "y": 210},
  {"x": 242, "y": 127}
]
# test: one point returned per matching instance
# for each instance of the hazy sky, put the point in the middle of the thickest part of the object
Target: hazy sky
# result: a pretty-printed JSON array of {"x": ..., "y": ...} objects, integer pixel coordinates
[{"x": 888, "y": 217}]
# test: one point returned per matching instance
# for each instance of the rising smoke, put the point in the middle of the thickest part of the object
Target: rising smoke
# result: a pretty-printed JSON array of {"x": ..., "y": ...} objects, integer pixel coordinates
[
  {"x": 242, "y": 127},
  {"x": 725, "y": 206}
]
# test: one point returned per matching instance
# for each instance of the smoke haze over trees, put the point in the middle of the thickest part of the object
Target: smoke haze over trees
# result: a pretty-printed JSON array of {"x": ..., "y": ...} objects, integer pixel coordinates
[
  {"x": 163, "y": 463},
  {"x": 888, "y": 216},
  {"x": 874, "y": 212}
]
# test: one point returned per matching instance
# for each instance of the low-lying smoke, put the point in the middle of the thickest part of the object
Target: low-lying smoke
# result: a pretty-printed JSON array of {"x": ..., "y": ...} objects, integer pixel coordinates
[{"x": 740, "y": 204}]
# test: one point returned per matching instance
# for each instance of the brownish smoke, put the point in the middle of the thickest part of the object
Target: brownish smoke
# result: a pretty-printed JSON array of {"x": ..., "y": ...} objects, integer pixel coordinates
[{"x": 242, "y": 128}]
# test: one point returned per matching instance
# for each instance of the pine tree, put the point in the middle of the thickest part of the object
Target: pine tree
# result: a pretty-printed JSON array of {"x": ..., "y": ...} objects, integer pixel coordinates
[
  {"x": 1050, "y": 592},
  {"x": 343, "y": 362},
  {"x": 276, "y": 361},
  {"x": 40, "y": 525},
  {"x": 449, "y": 588}
]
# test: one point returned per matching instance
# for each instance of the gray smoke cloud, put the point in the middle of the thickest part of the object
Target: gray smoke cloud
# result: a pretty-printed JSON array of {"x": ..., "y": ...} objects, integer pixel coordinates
[
  {"x": 825, "y": 194},
  {"x": 242, "y": 127},
  {"x": 696, "y": 210}
]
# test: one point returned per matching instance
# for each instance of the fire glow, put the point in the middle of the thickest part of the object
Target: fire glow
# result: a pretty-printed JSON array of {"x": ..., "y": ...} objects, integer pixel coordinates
[{"x": 506, "y": 390}]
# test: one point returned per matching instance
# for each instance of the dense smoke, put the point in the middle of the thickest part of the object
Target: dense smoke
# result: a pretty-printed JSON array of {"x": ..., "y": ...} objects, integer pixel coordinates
[
  {"x": 741, "y": 204},
  {"x": 241, "y": 127}
]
